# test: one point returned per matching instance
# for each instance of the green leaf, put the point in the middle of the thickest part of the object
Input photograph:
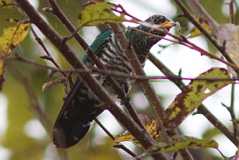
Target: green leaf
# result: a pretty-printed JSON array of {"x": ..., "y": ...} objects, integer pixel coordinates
[
  {"x": 96, "y": 13},
  {"x": 193, "y": 95},
  {"x": 182, "y": 142}
]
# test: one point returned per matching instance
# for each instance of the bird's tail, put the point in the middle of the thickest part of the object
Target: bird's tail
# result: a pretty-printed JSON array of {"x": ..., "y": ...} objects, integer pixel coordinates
[{"x": 81, "y": 107}]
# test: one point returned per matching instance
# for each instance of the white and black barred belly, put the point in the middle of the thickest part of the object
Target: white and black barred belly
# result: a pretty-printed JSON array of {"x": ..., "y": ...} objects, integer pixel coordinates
[{"x": 114, "y": 60}]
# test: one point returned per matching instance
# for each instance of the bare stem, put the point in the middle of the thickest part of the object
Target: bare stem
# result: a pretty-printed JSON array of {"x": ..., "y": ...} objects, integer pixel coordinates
[
  {"x": 147, "y": 87},
  {"x": 232, "y": 111},
  {"x": 231, "y": 12},
  {"x": 199, "y": 10},
  {"x": 203, "y": 14},
  {"x": 113, "y": 73},
  {"x": 128, "y": 151},
  {"x": 118, "y": 89},
  {"x": 201, "y": 109},
  {"x": 113, "y": 138},
  {"x": 134, "y": 61},
  {"x": 185, "y": 42},
  {"x": 34, "y": 16},
  {"x": 45, "y": 49},
  {"x": 37, "y": 109}
]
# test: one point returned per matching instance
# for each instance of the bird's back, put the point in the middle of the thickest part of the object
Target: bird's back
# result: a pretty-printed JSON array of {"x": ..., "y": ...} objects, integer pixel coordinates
[{"x": 81, "y": 105}]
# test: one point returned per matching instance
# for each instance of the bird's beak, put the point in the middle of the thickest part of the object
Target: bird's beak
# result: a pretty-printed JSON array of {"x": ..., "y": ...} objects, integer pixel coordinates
[{"x": 167, "y": 24}]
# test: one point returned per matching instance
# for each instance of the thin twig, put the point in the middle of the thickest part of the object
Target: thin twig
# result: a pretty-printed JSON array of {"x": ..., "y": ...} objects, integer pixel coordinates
[
  {"x": 147, "y": 87},
  {"x": 5, "y": 4},
  {"x": 232, "y": 111},
  {"x": 38, "y": 39},
  {"x": 201, "y": 109},
  {"x": 35, "y": 105},
  {"x": 105, "y": 130},
  {"x": 49, "y": 57},
  {"x": 199, "y": 9},
  {"x": 118, "y": 89},
  {"x": 114, "y": 73},
  {"x": 134, "y": 61},
  {"x": 113, "y": 138},
  {"x": 88, "y": 79},
  {"x": 128, "y": 151},
  {"x": 185, "y": 42},
  {"x": 231, "y": 12}
]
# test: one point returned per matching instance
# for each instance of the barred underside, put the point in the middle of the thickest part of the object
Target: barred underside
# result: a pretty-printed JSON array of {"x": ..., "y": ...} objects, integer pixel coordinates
[{"x": 81, "y": 106}]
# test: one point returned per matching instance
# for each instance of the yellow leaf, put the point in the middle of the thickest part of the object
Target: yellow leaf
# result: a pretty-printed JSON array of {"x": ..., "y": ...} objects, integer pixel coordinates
[
  {"x": 96, "y": 13},
  {"x": 182, "y": 142},
  {"x": 151, "y": 126},
  {"x": 11, "y": 37},
  {"x": 196, "y": 32},
  {"x": 194, "y": 94},
  {"x": 5, "y": 3},
  {"x": 125, "y": 137}
]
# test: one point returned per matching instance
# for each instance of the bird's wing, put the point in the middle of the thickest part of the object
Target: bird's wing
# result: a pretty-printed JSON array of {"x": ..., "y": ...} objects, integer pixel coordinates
[
  {"x": 96, "y": 47},
  {"x": 98, "y": 43},
  {"x": 78, "y": 110}
]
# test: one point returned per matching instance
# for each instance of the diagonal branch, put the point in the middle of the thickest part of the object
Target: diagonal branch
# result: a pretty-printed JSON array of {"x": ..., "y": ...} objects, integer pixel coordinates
[
  {"x": 113, "y": 138},
  {"x": 147, "y": 87},
  {"x": 111, "y": 73},
  {"x": 118, "y": 89},
  {"x": 134, "y": 61},
  {"x": 203, "y": 14},
  {"x": 87, "y": 78},
  {"x": 199, "y": 10},
  {"x": 185, "y": 42},
  {"x": 202, "y": 109}
]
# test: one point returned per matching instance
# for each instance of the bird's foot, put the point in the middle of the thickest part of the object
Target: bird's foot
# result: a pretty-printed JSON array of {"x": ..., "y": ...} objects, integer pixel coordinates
[{"x": 125, "y": 100}]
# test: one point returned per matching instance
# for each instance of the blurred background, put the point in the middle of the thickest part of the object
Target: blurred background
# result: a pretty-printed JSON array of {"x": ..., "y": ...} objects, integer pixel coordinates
[{"x": 22, "y": 135}]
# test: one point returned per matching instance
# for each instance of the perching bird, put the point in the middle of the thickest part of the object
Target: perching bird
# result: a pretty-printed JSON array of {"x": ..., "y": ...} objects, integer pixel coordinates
[{"x": 81, "y": 106}]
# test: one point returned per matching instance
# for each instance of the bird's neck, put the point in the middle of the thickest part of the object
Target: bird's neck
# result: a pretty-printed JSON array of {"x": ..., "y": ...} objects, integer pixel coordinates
[{"x": 141, "y": 44}]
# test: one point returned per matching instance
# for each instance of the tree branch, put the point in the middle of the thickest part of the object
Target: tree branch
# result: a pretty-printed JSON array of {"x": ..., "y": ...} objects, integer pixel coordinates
[
  {"x": 201, "y": 109},
  {"x": 198, "y": 9},
  {"x": 147, "y": 87},
  {"x": 112, "y": 73},
  {"x": 203, "y": 14},
  {"x": 113, "y": 138},
  {"x": 87, "y": 78},
  {"x": 118, "y": 89},
  {"x": 185, "y": 42},
  {"x": 134, "y": 61}
]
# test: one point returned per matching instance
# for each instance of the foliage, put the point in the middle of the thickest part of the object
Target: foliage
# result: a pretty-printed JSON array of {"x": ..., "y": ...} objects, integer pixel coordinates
[
  {"x": 151, "y": 126},
  {"x": 193, "y": 95},
  {"x": 11, "y": 37},
  {"x": 177, "y": 143},
  {"x": 101, "y": 13}
]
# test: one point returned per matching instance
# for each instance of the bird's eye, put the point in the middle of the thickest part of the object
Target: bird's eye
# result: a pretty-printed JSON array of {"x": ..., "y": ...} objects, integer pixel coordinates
[{"x": 156, "y": 20}]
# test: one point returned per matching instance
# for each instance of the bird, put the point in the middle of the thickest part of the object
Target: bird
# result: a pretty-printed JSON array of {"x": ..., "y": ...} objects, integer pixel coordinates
[{"x": 81, "y": 106}]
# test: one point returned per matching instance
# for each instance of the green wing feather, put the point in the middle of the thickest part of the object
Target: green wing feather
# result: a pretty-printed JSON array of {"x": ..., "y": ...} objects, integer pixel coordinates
[{"x": 98, "y": 42}]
